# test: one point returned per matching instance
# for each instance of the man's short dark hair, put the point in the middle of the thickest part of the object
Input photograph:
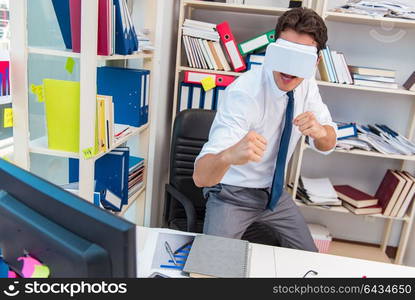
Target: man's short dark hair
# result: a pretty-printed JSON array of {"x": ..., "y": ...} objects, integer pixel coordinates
[{"x": 306, "y": 21}]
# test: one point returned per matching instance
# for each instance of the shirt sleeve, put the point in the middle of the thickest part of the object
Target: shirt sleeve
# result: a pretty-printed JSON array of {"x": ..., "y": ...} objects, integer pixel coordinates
[
  {"x": 232, "y": 122},
  {"x": 315, "y": 104}
]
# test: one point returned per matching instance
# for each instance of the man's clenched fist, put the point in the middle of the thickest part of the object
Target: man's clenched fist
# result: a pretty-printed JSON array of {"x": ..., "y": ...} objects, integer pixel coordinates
[
  {"x": 309, "y": 126},
  {"x": 250, "y": 148}
]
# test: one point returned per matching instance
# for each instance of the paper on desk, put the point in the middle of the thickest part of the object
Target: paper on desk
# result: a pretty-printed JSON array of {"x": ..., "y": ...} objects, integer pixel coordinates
[{"x": 146, "y": 254}]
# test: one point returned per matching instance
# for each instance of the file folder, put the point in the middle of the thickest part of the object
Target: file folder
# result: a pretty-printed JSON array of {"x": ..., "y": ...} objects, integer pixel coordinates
[
  {"x": 111, "y": 174},
  {"x": 255, "y": 60},
  {"x": 128, "y": 89},
  {"x": 192, "y": 96},
  {"x": 231, "y": 47},
  {"x": 62, "y": 12},
  {"x": 197, "y": 77},
  {"x": 256, "y": 43},
  {"x": 219, "y": 96}
]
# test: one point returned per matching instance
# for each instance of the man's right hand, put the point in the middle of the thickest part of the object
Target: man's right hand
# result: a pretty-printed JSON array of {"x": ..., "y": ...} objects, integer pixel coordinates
[{"x": 250, "y": 149}]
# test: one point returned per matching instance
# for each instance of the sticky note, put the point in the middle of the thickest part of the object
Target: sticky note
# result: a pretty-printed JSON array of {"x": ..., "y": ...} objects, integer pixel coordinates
[
  {"x": 88, "y": 153},
  {"x": 29, "y": 264},
  {"x": 12, "y": 274},
  {"x": 70, "y": 64},
  {"x": 8, "y": 118},
  {"x": 41, "y": 272},
  {"x": 208, "y": 83},
  {"x": 38, "y": 91}
]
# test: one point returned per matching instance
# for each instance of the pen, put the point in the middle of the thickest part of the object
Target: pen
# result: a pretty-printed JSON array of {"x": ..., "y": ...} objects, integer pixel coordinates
[
  {"x": 182, "y": 247},
  {"x": 170, "y": 252}
]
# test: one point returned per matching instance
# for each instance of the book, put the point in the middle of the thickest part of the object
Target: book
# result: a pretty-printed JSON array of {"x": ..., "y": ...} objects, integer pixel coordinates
[
  {"x": 374, "y": 78},
  {"x": 370, "y": 210},
  {"x": 403, "y": 194},
  {"x": 408, "y": 199},
  {"x": 389, "y": 190},
  {"x": 322, "y": 68},
  {"x": 213, "y": 256},
  {"x": 410, "y": 83},
  {"x": 354, "y": 196},
  {"x": 370, "y": 83},
  {"x": 372, "y": 71}
]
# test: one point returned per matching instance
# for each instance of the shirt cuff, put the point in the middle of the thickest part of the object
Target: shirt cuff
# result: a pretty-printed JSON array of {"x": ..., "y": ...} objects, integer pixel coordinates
[{"x": 313, "y": 146}]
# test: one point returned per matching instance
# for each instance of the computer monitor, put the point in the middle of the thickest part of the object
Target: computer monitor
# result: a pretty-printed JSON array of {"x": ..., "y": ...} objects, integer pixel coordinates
[{"x": 70, "y": 235}]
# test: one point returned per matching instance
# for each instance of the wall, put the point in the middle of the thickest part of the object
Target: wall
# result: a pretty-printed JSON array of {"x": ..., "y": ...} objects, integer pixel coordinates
[{"x": 362, "y": 46}]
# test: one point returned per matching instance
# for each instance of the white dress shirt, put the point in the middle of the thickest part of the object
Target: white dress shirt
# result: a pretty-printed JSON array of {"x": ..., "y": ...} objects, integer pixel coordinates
[{"x": 254, "y": 102}]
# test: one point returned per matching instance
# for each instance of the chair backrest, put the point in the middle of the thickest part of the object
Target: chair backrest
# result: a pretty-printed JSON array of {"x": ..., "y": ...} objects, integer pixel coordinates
[{"x": 190, "y": 133}]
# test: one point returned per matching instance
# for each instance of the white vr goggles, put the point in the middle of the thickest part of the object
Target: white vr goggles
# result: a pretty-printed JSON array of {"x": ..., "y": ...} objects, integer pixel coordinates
[{"x": 291, "y": 58}]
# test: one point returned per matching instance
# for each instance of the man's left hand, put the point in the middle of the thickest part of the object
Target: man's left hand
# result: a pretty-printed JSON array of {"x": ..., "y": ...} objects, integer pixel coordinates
[{"x": 309, "y": 126}]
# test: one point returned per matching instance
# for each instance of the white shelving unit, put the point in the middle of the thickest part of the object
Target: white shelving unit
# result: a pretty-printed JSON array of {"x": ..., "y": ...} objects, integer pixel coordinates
[{"x": 89, "y": 61}]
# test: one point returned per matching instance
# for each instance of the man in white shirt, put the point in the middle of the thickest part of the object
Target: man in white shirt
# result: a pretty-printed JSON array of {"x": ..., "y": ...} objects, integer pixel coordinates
[{"x": 256, "y": 129}]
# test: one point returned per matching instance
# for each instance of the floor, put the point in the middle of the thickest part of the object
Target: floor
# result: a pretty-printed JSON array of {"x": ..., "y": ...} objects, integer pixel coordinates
[{"x": 358, "y": 251}]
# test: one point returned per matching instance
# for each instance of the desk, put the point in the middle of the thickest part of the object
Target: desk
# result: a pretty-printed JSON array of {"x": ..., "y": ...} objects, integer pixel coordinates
[{"x": 268, "y": 261}]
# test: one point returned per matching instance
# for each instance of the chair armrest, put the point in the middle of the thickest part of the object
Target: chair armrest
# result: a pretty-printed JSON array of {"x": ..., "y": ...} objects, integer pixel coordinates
[{"x": 187, "y": 204}]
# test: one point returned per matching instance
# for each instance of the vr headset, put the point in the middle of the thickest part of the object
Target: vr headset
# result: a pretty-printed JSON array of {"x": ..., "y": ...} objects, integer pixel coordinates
[{"x": 291, "y": 58}]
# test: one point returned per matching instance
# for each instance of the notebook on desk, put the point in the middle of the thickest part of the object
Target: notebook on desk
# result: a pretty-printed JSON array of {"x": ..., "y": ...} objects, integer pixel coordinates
[{"x": 212, "y": 256}]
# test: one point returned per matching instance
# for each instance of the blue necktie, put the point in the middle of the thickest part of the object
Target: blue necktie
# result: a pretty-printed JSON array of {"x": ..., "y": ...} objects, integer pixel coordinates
[{"x": 278, "y": 181}]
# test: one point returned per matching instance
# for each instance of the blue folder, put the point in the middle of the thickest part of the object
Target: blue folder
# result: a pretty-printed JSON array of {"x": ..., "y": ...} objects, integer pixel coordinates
[
  {"x": 111, "y": 173},
  {"x": 126, "y": 41},
  {"x": 193, "y": 95},
  {"x": 63, "y": 15},
  {"x": 126, "y": 88}
]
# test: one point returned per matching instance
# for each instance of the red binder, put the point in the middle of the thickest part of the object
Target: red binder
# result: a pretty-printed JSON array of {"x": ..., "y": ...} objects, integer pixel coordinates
[
  {"x": 104, "y": 26},
  {"x": 197, "y": 77},
  {"x": 231, "y": 47}
]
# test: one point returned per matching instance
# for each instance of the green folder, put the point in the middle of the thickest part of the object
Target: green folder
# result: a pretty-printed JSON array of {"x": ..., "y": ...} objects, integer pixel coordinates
[
  {"x": 62, "y": 102},
  {"x": 257, "y": 42}
]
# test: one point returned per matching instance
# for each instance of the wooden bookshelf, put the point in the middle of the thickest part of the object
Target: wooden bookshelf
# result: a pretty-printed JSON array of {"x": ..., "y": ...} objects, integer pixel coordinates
[
  {"x": 344, "y": 210},
  {"x": 400, "y": 91}
]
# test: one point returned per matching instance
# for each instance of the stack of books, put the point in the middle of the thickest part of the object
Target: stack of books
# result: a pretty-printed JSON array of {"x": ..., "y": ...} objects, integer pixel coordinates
[
  {"x": 392, "y": 198},
  {"x": 374, "y": 77},
  {"x": 357, "y": 201},
  {"x": 202, "y": 46},
  {"x": 135, "y": 175},
  {"x": 333, "y": 67},
  {"x": 317, "y": 192}
]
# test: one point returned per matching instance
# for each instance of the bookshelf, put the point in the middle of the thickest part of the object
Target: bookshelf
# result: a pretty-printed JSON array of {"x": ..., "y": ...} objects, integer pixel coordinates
[
  {"x": 295, "y": 170},
  {"x": 88, "y": 61},
  {"x": 187, "y": 8}
]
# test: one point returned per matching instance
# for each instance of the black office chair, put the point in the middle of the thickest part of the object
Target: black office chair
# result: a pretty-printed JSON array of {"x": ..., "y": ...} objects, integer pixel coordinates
[{"x": 185, "y": 204}]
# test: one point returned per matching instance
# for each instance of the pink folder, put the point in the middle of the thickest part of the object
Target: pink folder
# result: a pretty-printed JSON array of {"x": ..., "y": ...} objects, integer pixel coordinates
[{"x": 104, "y": 26}]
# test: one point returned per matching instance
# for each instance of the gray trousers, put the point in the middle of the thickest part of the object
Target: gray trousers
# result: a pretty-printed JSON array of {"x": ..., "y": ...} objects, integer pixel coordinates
[{"x": 230, "y": 210}]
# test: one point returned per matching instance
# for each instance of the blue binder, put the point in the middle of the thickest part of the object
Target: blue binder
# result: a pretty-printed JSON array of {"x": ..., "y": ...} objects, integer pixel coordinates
[
  {"x": 219, "y": 95},
  {"x": 126, "y": 41},
  {"x": 128, "y": 89},
  {"x": 61, "y": 8},
  {"x": 111, "y": 173},
  {"x": 193, "y": 96}
]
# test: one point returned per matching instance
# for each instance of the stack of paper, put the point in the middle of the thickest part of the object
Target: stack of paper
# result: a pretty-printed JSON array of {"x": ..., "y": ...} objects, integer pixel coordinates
[
  {"x": 379, "y": 138},
  {"x": 378, "y": 8},
  {"x": 318, "y": 191},
  {"x": 135, "y": 175}
]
